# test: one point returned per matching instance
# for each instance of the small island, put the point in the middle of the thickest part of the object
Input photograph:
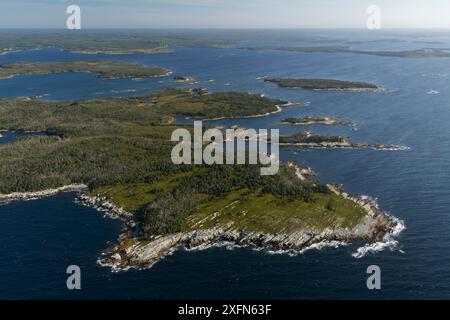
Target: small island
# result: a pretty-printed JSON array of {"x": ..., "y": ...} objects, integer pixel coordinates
[
  {"x": 187, "y": 79},
  {"x": 105, "y": 69},
  {"x": 116, "y": 153},
  {"x": 311, "y": 120},
  {"x": 307, "y": 139},
  {"x": 321, "y": 84}
]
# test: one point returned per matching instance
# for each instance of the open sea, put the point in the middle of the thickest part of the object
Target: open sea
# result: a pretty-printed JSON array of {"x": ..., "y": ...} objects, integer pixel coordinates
[{"x": 39, "y": 239}]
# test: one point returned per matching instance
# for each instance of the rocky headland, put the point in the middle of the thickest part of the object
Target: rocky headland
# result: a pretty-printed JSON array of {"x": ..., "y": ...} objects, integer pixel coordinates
[{"x": 130, "y": 252}]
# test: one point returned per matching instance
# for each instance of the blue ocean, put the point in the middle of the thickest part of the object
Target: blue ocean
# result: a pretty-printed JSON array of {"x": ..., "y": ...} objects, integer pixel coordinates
[{"x": 40, "y": 238}]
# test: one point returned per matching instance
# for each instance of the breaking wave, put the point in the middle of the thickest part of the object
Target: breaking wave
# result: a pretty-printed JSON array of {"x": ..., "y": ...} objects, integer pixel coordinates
[{"x": 388, "y": 242}]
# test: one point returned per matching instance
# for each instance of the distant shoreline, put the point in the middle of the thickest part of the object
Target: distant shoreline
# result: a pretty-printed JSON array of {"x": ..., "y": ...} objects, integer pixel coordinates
[
  {"x": 101, "y": 68},
  {"x": 321, "y": 84},
  {"x": 6, "y": 51}
]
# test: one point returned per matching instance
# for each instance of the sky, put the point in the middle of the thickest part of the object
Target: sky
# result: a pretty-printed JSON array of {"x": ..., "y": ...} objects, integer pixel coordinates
[{"x": 225, "y": 13}]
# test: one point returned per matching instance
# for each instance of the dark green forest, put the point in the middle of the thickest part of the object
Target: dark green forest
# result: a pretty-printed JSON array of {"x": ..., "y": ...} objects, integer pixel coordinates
[{"x": 120, "y": 147}]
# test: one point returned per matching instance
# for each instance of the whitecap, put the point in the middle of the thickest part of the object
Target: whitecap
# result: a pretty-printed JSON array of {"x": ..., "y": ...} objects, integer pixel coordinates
[
  {"x": 325, "y": 244},
  {"x": 388, "y": 242}
]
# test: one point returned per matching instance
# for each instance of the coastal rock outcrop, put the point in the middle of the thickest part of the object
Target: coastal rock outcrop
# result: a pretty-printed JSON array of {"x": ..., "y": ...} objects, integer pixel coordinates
[
  {"x": 133, "y": 253},
  {"x": 40, "y": 194},
  {"x": 101, "y": 204}
]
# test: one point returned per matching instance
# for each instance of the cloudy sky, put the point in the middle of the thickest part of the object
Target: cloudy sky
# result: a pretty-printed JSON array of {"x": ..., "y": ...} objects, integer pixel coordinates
[{"x": 225, "y": 13}]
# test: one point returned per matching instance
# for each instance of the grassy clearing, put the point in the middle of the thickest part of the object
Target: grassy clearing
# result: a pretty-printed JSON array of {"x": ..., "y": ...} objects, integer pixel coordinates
[
  {"x": 271, "y": 214},
  {"x": 133, "y": 196}
]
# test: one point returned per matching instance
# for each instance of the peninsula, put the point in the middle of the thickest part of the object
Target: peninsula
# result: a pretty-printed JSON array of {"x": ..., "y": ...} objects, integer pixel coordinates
[
  {"x": 117, "y": 151},
  {"x": 105, "y": 69}
]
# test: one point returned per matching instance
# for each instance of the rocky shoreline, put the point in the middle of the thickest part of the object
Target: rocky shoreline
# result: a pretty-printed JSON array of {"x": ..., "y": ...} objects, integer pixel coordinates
[
  {"x": 131, "y": 253},
  {"x": 24, "y": 196},
  {"x": 307, "y": 121},
  {"x": 278, "y": 110},
  {"x": 345, "y": 145},
  {"x": 100, "y": 203},
  {"x": 376, "y": 227}
]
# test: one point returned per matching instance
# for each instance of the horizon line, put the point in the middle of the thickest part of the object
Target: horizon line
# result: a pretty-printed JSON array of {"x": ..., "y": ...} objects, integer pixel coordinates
[{"x": 226, "y": 28}]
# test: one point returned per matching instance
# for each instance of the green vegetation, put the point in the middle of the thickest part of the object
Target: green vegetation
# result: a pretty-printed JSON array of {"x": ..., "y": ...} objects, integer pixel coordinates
[
  {"x": 77, "y": 118},
  {"x": 133, "y": 196},
  {"x": 121, "y": 148},
  {"x": 320, "y": 84},
  {"x": 82, "y": 42},
  {"x": 161, "y": 41},
  {"x": 106, "y": 69},
  {"x": 196, "y": 104},
  {"x": 135, "y": 41},
  {"x": 126, "y": 115},
  {"x": 308, "y": 120},
  {"x": 307, "y": 137},
  {"x": 212, "y": 187},
  {"x": 108, "y": 42},
  {"x": 264, "y": 212}
]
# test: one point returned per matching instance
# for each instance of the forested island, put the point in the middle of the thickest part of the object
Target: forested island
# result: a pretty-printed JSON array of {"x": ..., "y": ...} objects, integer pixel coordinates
[
  {"x": 118, "y": 151},
  {"x": 321, "y": 84},
  {"x": 310, "y": 120},
  {"x": 307, "y": 139},
  {"x": 105, "y": 69}
]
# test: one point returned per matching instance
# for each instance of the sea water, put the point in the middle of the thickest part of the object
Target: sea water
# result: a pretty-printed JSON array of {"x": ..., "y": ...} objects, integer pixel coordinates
[{"x": 40, "y": 238}]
